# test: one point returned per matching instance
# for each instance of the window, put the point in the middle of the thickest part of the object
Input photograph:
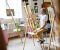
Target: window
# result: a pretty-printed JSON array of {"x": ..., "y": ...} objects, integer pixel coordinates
[{"x": 36, "y": 9}]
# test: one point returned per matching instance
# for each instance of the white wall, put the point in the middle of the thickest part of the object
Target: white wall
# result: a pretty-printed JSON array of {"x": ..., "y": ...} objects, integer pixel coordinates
[
  {"x": 14, "y": 4},
  {"x": 39, "y": 6}
]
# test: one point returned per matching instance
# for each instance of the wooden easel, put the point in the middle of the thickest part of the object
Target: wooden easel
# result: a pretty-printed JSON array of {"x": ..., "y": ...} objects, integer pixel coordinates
[
  {"x": 16, "y": 25},
  {"x": 35, "y": 32},
  {"x": 52, "y": 23},
  {"x": 29, "y": 23}
]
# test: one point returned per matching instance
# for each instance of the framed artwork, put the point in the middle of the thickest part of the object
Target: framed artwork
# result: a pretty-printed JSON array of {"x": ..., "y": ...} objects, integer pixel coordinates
[
  {"x": 36, "y": 9},
  {"x": 8, "y": 12}
]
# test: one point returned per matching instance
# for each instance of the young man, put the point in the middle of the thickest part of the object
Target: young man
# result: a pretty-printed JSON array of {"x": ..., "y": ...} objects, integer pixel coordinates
[
  {"x": 43, "y": 24},
  {"x": 43, "y": 19}
]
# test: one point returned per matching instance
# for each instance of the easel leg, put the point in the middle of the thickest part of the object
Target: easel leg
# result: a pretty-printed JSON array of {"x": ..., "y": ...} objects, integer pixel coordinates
[
  {"x": 33, "y": 40},
  {"x": 20, "y": 37},
  {"x": 24, "y": 42},
  {"x": 49, "y": 42},
  {"x": 21, "y": 40}
]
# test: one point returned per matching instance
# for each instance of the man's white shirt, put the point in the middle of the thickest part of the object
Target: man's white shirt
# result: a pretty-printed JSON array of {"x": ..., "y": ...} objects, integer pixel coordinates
[{"x": 43, "y": 19}]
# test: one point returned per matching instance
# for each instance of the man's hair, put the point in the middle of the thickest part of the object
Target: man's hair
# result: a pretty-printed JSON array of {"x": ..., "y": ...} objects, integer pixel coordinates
[{"x": 49, "y": 3}]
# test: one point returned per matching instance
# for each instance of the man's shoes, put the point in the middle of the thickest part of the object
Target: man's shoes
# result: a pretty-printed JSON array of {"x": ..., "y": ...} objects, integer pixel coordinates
[{"x": 41, "y": 41}]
